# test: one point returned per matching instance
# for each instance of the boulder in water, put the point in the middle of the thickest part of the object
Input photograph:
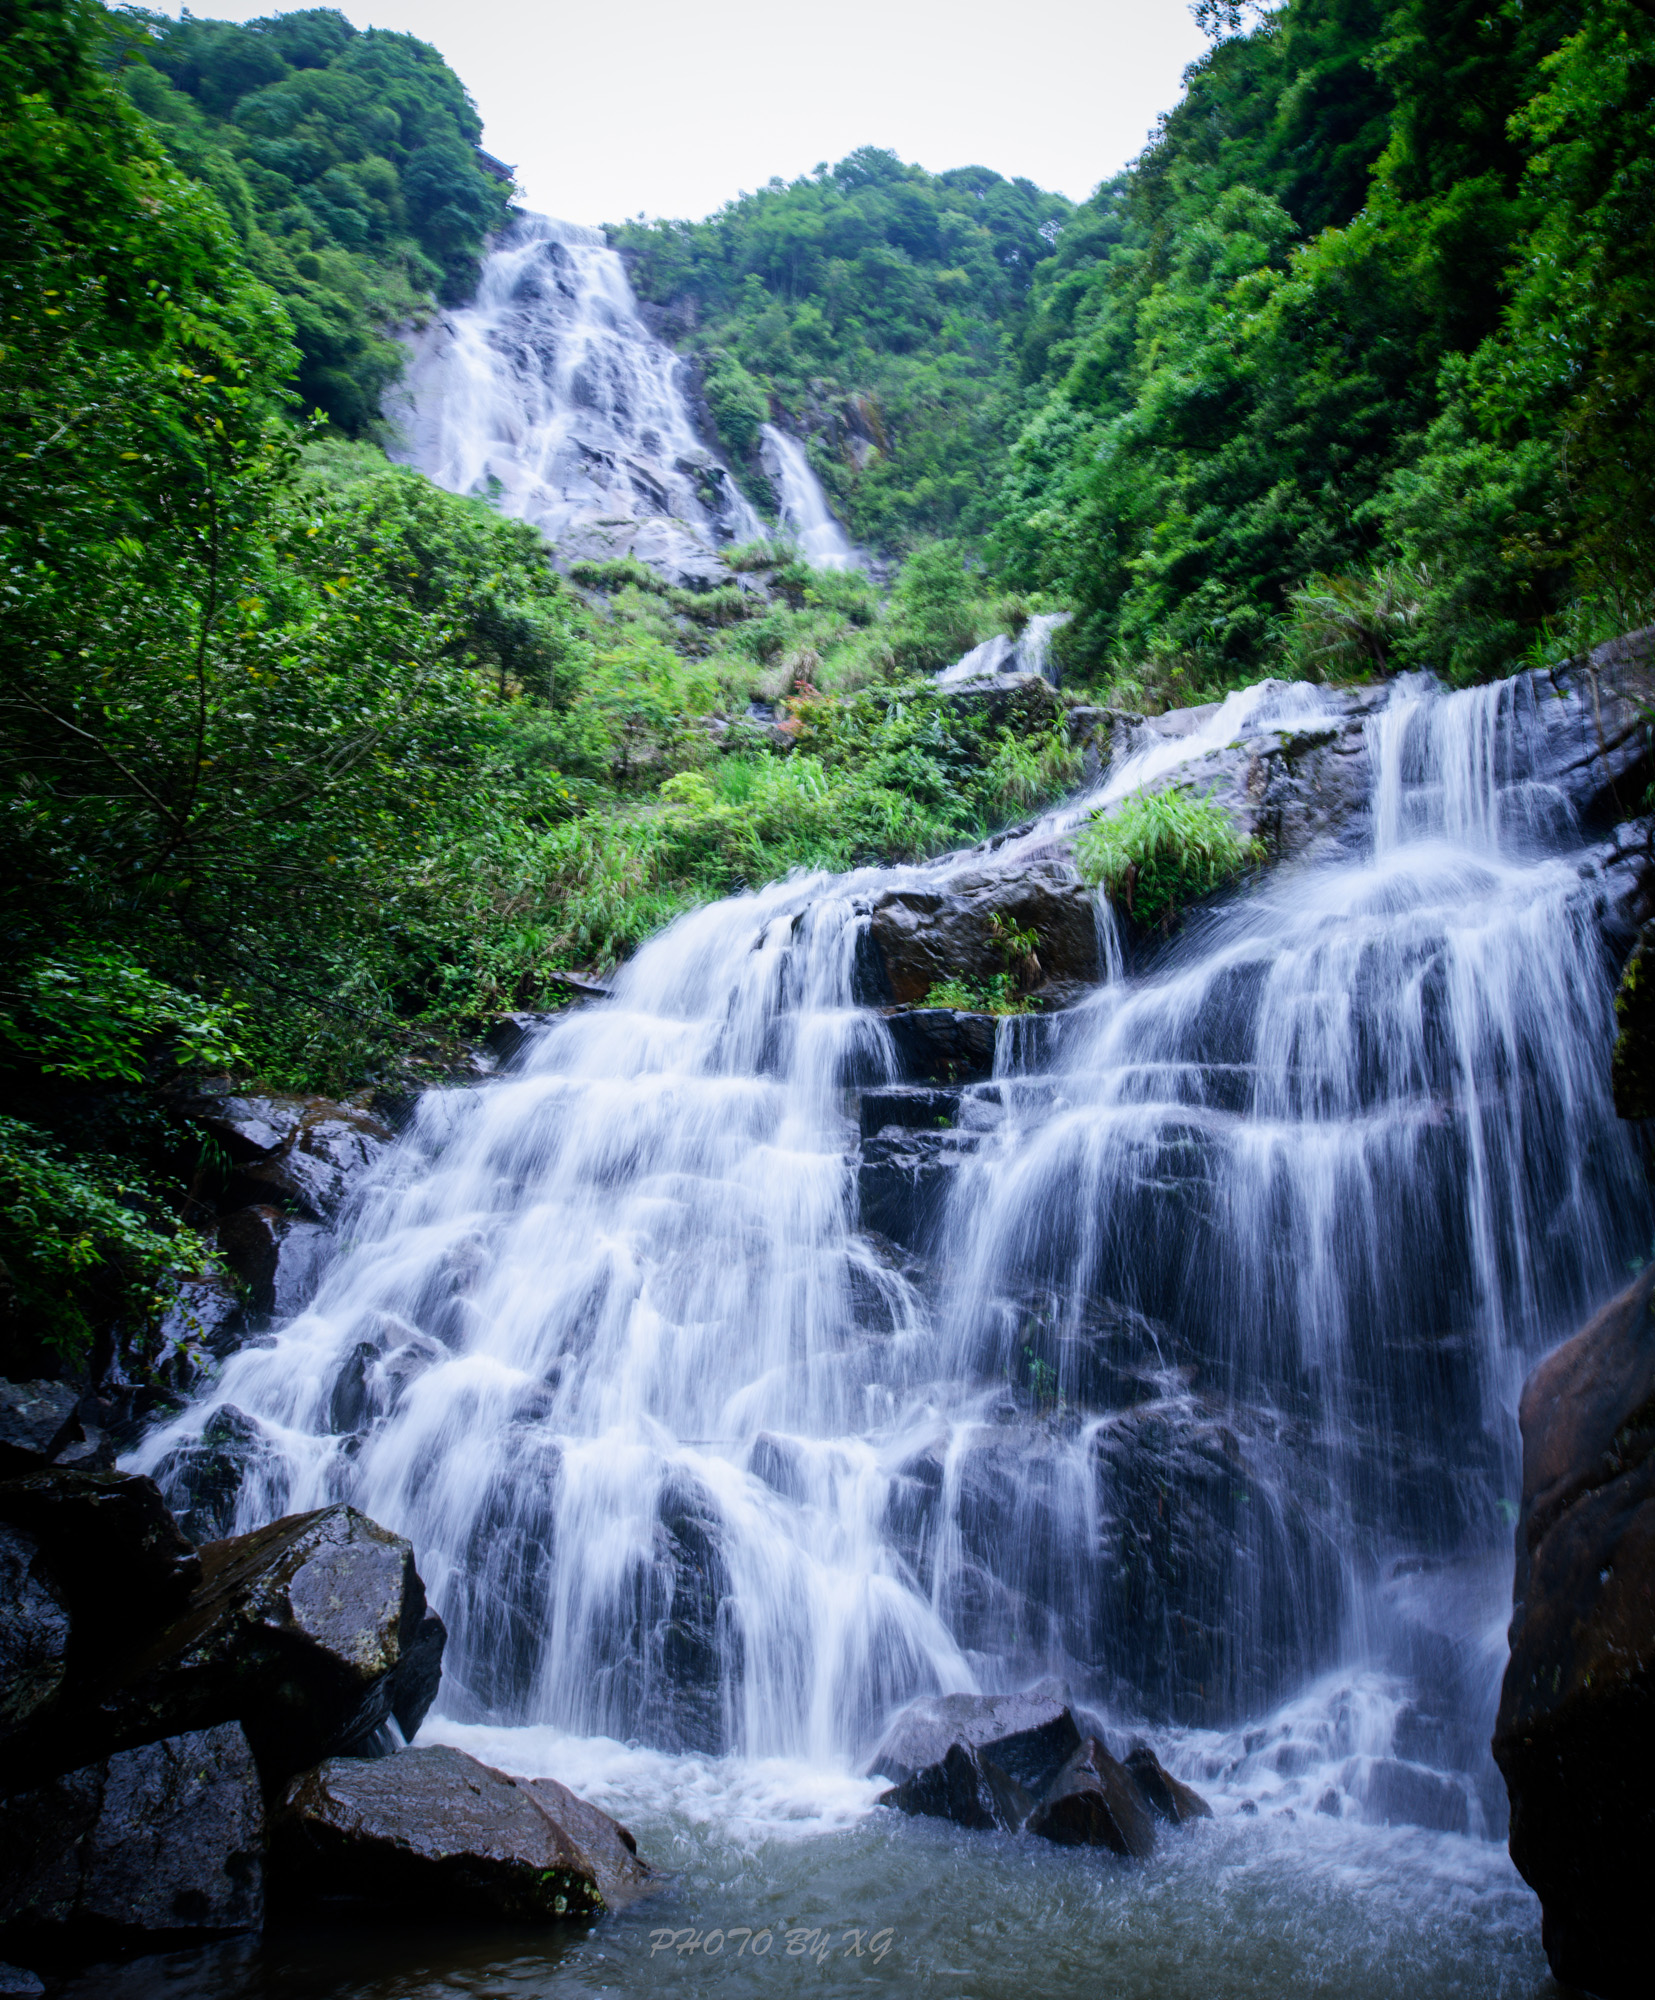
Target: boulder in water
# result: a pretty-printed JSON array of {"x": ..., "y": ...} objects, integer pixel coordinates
[
  {"x": 1575, "y": 1735},
  {"x": 35, "y": 1419},
  {"x": 432, "y": 1830},
  {"x": 1093, "y": 1802},
  {"x": 967, "y": 1787},
  {"x": 1028, "y": 1736},
  {"x": 1168, "y": 1797},
  {"x": 609, "y": 1848},
  {"x": 147, "y": 1850}
]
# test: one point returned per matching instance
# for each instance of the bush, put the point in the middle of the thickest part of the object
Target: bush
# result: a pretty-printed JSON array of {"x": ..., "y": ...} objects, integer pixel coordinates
[{"x": 1160, "y": 851}]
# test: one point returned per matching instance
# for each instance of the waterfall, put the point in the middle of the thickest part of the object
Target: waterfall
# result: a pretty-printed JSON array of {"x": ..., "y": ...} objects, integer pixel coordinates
[
  {"x": 549, "y": 394},
  {"x": 1201, "y": 1390},
  {"x": 804, "y": 505}
]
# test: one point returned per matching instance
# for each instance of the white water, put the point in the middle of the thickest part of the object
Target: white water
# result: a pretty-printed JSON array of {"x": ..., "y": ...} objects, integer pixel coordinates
[
  {"x": 550, "y": 393},
  {"x": 804, "y": 505},
  {"x": 1028, "y": 653},
  {"x": 1303, "y": 1204}
]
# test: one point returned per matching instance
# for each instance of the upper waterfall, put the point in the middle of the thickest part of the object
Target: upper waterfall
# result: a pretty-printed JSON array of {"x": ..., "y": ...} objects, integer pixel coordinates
[
  {"x": 550, "y": 393},
  {"x": 804, "y": 506}
]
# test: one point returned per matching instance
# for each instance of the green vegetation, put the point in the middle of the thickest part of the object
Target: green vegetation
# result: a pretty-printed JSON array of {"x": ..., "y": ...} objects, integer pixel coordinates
[
  {"x": 309, "y": 767},
  {"x": 1368, "y": 319},
  {"x": 346, "y": 165},
  {"x": 1161, "y": 851},
  {"x": 868, "y": 303}
]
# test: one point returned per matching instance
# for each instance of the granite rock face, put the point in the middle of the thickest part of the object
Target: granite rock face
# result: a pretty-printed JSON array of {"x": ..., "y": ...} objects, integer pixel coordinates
[{"x": 1575, "y": 1735}]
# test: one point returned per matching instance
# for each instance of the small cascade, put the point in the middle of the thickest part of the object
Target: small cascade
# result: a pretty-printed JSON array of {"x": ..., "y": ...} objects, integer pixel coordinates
[
  {"x": 1196, "y": 1392},
  {"x": 1003, "y": 657},
  {"x": 549, "y": 394},
  {"x": 804, "y": 505}
]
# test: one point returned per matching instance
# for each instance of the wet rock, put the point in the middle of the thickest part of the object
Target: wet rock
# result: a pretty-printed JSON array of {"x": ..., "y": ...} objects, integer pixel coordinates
[
  {"x": 154, "y": 1848},
  {"x": 116, "y": 1555},
  {"x": 303, "y": 1632},
  {"x": 1094, "y": 1803},
  {"x": 611, "y": 1852},
  {"x": 18, "y": 1983},
  {"x": 686, "y": 1665},
  {"x": 1027, "y": 1736},
  {"x": 962, "y": 928},
  {"x": 203, "y": 1481},
  {"x": 432, "y": 1830},
  {"x": 35, "y": 1418},
  {"x": 943, "y": 1044},
  {"x": 1633, "y": 1069},
  {"x": 278, "y": 1258},
  {"x": 904, "y": 1178},
  {"x": 1166, "y": 1796},
  {"x": 1402, "y": 1794},
  {"x": 967, "y": 1787},
  {"x": 351, "y": 1406},
  {"x": 914, "y": 1108},
  {"x": 320, "y": 1168},
  {"x": 1575, "y": 1735},
  {"x": 34, "y": 1630}
]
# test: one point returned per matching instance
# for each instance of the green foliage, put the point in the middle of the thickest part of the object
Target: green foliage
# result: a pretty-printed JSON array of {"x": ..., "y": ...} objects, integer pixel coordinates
[
  {"x": 1160, "y": 851},
  {"x": 92, "y": 1015},
  {"x": 1374, "y": 304},
  {"x": 347, "y": 165},
  {"x": 83, "y": 1240},
  {"x": 869, "y": 302}
]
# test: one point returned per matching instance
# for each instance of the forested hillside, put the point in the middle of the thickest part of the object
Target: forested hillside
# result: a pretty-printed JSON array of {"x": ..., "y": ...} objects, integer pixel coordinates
[
  {"x": 873, "y": 306},
  {"x": 1353, "y": 365}
]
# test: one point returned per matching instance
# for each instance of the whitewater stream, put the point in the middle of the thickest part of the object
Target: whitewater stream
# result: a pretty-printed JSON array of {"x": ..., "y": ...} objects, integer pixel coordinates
[{"x": 1200, "y": 1399}]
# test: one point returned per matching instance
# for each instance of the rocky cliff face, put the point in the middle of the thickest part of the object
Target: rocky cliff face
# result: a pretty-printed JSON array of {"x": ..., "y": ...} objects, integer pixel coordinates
[{"x": 1576, "y": 1731}]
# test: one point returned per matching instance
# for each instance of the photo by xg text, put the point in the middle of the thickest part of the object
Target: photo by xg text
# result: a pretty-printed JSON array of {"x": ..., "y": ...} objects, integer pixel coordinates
[{"x": 744, "y": 1942}]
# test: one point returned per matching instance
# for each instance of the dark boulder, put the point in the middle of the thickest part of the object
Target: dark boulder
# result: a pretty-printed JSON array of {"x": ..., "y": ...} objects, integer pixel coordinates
[
  {"x": 610, "y": 1851},
  {"x": 912, "y": 1107},
  {"x": 204, "y": 1480},
  {"x": 1166, "y": 1796},
  {"x": 318, "y": 1170},
  {"x": 1399, "y": 1793},
  {"x": 429, "y": 1830},
  {"x": 150, "y": 1849},
  {"x": 277, "y": 1257},
  {"x": 310, "y": 1632},
  {"x": 36, "y": 1418},
  {"x": 1633, "y": 1070},
  {"x": 1575, "y": 1735},
  {"x": 1028, "y": 1736},
  {"x": 904, "y": 1179},
  {"x": 686, "y": 1662},
  {"x": 967, "y": 1787},
  {"x": 34, "y": 1630},
  {"x": 944, "y": 1044},
  {"x": 116, "y": 1554},
  {"x": 961, "y": 928},
  {"x": 1094, "y": 1803}
]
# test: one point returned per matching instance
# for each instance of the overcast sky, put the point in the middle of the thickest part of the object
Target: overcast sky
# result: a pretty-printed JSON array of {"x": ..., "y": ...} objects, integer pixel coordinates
[{"x": 610, "y": 109}]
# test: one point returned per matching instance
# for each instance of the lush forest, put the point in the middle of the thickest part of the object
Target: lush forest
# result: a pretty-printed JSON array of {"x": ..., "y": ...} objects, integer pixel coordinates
[{"x": 311, "y": 769}]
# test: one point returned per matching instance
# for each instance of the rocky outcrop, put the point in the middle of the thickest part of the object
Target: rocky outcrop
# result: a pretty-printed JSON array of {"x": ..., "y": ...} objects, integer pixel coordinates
[
  {"x": 154, "y": 1696},
  {"x": 1575, "y": 1736},
  {"x": 151, "y": 1849},
  {"x": 434, "y": 1831},
  {"x": 1633, "y": 1069},
  {"x": 310, "y": 1633},
  {"x": 971, "y": 927},
  {"x": 1018, "y": 1763}
]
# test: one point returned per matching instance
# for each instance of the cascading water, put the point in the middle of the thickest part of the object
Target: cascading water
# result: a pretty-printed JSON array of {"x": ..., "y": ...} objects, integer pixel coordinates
[
  {"x": 804, "y": 506},
  {"x": 550, "y": 394},
  {"x": 1201, "y": 1397}
]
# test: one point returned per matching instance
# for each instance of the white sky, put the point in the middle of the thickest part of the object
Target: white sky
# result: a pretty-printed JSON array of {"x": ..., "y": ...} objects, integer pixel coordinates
[{"x": 607, "y": 109}]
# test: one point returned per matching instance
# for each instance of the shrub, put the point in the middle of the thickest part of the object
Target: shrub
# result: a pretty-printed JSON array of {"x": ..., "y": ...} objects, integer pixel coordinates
[{"x": 1162, "y": 850}]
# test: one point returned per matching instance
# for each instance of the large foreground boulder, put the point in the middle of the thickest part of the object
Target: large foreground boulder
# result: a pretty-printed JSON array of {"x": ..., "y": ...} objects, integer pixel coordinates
[
  {"x": 150, "y": 1849},
  {"x": 1575, "y": 1735},
  {"x": 432, "y": 1830},
  {"x": 310, "y": 1632}
]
